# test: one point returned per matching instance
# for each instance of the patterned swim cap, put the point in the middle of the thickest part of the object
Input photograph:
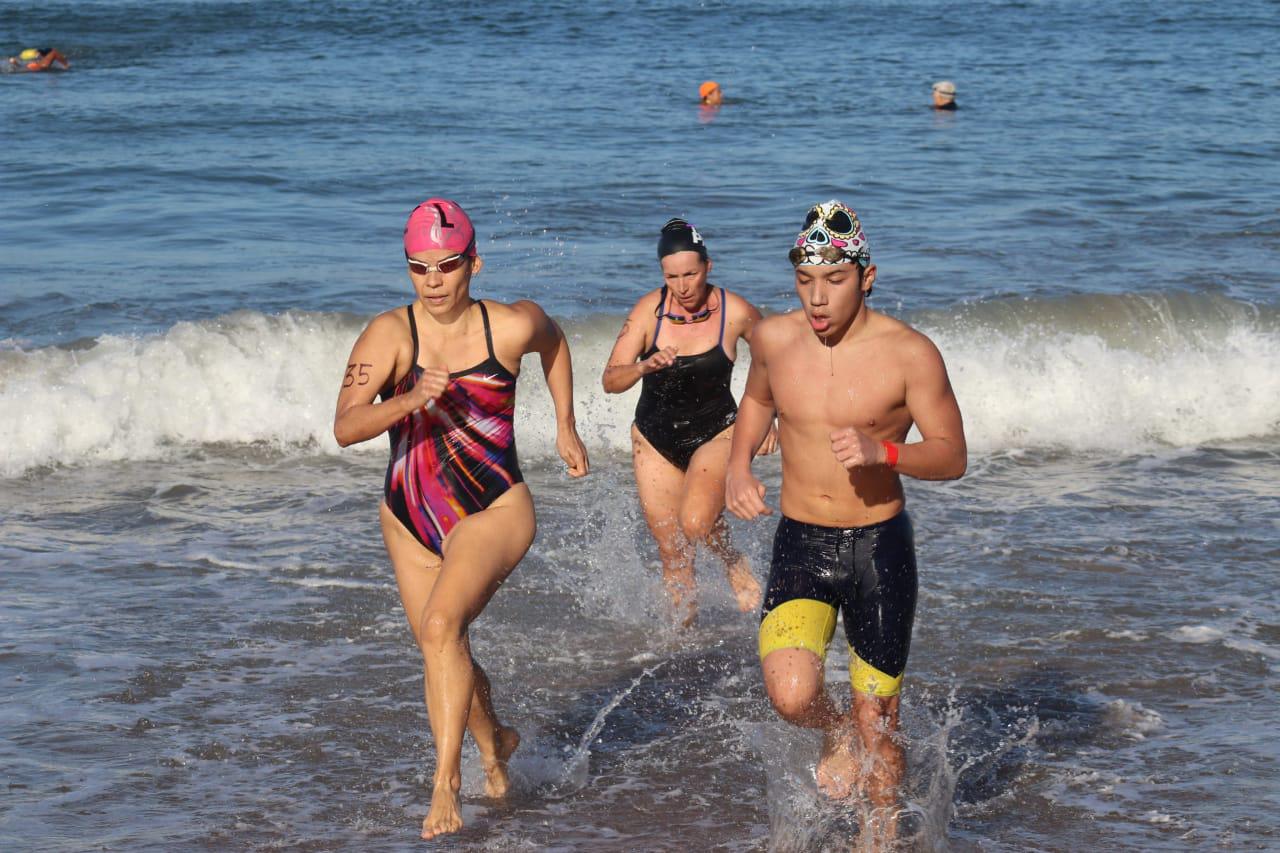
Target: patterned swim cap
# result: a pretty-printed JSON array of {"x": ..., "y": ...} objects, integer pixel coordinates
[{"x": 831, "y": 235}]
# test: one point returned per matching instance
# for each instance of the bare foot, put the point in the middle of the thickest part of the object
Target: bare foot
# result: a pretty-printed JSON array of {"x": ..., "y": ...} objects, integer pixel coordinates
[
  {"x": 682, "y": 593},
  {"x": 882, "y": 827},
  {"x": 684, "y": 614},
  {"x": 681, "y": 619},
  {"x": 838, "y": 765},
  {"x": 496, "y": 781},
  {"x": 444, "y": 816},
  {"x": 745, "y": 586}
]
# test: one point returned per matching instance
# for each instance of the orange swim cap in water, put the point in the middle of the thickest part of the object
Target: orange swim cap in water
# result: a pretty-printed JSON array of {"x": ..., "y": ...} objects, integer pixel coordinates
[{"x": 707, "y": 88}]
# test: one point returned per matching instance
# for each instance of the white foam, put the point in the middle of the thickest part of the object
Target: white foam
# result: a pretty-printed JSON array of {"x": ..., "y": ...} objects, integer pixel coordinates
[
  {"x": 318, "y": 583},
  {"x": 246, "y": 378},
  {"x": 1126, "y": 634},
  {"x": 1132, "y": 719},
  {"x": 1254, "y": 647},
  {"x": 251, "y": 379},
  {"x": 1196, "y": 634},
  {"x": 1037, "y": 389}
]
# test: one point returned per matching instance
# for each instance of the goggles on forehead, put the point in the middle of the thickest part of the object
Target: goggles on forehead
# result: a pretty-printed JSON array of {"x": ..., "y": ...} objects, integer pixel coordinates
[{"x": 810, "y": 255}]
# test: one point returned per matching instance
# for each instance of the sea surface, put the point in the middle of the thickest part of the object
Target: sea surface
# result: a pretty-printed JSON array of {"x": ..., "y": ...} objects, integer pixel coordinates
[{"x": 201, "y": 645}]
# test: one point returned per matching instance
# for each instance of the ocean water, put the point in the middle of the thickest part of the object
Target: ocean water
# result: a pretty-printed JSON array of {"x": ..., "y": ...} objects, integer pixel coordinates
[{"x": 200, "y": 640}]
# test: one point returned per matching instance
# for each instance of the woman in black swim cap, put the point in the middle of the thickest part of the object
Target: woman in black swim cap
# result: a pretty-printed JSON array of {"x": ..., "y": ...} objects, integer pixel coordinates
[{"x": 680, "y": 342}]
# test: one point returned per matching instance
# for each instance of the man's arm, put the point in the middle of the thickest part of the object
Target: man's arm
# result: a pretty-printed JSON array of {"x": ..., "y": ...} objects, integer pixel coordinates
[
  {"x": 744, "y": 494},
  {"x": 942, "y": 453},
  {"x": 751, "y": 318}
]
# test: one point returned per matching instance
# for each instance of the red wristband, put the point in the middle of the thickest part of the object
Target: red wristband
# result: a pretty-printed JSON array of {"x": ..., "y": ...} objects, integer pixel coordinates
[{"x": 890, "y": 454}]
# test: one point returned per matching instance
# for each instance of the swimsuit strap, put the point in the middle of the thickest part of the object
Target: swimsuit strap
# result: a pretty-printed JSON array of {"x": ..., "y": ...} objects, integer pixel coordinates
[
  {"x": 723, "y": 310},
  {"x": 413, "y": 333},
  {"x": 488, "y": 337},
  {"x": 662, "y": 312}
]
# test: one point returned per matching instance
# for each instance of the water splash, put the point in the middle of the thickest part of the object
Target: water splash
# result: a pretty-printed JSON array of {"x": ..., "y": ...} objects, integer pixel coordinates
[
  {"x": 802, "y": 818},
  {"x": 575, "y": 768},
  {"x": 541, "y": 767}
]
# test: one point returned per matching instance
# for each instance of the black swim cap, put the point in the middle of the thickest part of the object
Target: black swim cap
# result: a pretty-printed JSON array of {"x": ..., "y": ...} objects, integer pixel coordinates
[{"x": 679, "y": 236}]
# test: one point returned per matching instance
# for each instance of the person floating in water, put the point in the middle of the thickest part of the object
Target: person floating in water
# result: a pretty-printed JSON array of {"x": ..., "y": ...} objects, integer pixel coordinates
[
  {"x": 456, "y": 516},
  {"x": 944, "y": 95},
  {"x": 39, "y": 59},
  {"x": 846, "y": 384},
  {"x": 709, "y": 94},
  {"x": 680, "y": 342}
]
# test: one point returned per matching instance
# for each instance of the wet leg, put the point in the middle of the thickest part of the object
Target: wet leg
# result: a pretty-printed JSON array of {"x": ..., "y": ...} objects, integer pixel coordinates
[
  {"x": 876, "y": 720},
  {"x": 433, "y": 618},
  {"x": 702, "y": 517},
  {"x": 479, "y": 553},
  {"x": 495, "y": 741},
  {"x": 795, "y": 682},
  {"x": 660, "y": 484}
]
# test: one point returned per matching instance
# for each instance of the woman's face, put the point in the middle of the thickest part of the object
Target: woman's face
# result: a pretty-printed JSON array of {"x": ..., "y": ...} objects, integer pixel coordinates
[
  {"x": 442, "y": 293},
  {"x": 685, "y": 274}
]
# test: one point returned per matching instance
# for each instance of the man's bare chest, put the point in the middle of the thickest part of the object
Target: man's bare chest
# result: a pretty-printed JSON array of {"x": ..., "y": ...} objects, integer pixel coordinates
[{"x": 864, "y": 393}]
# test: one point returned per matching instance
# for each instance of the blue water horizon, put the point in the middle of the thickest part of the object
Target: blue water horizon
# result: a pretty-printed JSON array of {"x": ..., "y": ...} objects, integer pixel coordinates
[{"x": 210, "y": 157}]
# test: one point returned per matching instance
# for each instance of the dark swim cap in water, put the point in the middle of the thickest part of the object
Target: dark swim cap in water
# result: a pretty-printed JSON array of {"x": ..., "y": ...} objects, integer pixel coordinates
[{"x": 679, "y": 236}]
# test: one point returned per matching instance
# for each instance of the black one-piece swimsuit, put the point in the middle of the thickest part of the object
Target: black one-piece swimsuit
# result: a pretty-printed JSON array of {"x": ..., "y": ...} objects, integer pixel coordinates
[{"x": 684, "y": 406}]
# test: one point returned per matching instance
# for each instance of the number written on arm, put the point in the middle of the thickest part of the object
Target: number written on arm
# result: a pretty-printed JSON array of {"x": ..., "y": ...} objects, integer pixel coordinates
[{"x": 356, "y": 374}]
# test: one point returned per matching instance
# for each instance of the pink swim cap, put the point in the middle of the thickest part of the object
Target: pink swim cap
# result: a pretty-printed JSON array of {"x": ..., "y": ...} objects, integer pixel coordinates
[{"x": 438, "y": 223}]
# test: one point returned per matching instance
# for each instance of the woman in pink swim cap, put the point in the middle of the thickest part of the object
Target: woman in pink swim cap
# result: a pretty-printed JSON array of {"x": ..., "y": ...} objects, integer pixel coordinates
[{"x": 439, "y": 376}]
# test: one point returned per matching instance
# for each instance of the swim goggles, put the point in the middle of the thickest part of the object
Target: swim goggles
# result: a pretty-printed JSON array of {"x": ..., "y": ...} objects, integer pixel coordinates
[
  {"x": 813, "y": 255},
  {"x": 445, "y": 266},
  {"x": 682, "y": 319}
]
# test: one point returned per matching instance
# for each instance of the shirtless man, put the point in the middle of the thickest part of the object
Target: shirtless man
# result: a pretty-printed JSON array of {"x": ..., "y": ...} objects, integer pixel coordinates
[{"x": 846, "y": 383}]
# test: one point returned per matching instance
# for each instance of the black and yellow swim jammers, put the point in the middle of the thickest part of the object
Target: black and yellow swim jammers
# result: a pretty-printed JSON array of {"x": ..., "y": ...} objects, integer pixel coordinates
[{"x": 868, "y": 574}]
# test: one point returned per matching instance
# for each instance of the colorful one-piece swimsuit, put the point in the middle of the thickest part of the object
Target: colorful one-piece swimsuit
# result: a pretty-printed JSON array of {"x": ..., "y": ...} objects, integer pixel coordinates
[{"x": 457, "y": 456}]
